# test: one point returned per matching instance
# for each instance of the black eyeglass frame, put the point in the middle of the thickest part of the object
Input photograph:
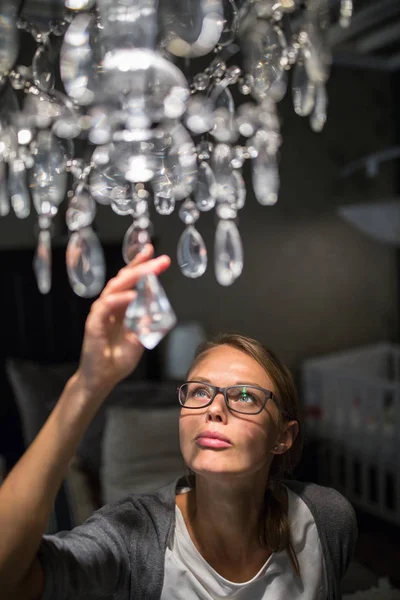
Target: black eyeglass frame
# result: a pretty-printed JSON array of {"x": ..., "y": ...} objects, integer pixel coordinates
[{"x": 222, "y": 390}]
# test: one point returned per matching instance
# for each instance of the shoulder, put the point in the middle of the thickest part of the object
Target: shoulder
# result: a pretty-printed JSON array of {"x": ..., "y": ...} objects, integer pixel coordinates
[
  {"x": 333, "y": 514},
  {"x": 323, "y": 498}
]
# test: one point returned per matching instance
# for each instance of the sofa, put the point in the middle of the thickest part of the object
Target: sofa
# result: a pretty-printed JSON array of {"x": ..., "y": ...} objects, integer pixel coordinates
[{"x": 132, "y": 444}]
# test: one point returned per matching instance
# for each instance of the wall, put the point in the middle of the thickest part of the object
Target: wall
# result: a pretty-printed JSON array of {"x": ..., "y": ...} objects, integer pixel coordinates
[{"x": 311, "y": 283}]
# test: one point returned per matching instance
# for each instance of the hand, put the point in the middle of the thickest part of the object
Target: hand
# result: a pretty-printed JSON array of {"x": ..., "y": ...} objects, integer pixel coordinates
[{"x": 110, "y": 351}]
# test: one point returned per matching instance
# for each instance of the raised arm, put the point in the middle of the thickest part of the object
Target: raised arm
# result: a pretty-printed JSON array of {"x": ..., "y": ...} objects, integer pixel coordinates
[{"x": 109, "y": 353}]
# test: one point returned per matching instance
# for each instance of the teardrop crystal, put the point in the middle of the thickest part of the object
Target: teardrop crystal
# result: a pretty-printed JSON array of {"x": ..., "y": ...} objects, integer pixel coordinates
[
  {"x": 164, "y": 206},
  {"x": 303, "y": 90},
  {"x": 48, "y": 177},
  {"x": 42, "y": 262},
  {"x": 135, "y": 240},
  {"x": 79, "y": 57},
  {"x": 205, "y": 192},
  {"x": 4, "y": 201},
  {"x": 228, "y": 253},
  {"x": 85, "y": 263},
  {"x": 265, "y": 177},
  {"x": 318, "y": 116},
  {"x": 18, "y": 189},
  {"x": 81, "y": 209},
  {"x": 188, "y": 212},
  {"x": 150, "y": 314},
  {"x": 42, "y": 68},
  {"x": 192, "y": 253}
]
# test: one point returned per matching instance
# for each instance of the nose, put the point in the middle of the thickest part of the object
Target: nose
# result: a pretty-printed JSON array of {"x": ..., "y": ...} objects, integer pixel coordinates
[{"x": 217, "y": 411}]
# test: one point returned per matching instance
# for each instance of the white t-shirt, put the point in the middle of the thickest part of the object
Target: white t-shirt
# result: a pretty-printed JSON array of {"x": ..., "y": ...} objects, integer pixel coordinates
[{"x": 188, "y": 576}]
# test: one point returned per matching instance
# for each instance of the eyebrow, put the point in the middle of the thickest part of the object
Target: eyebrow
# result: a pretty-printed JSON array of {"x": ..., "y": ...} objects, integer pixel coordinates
[{"x": 205, "y": 380}]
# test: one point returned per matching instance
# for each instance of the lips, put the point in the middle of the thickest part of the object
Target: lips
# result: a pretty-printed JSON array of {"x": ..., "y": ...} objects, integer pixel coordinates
[{"x": 213, "y": 435}]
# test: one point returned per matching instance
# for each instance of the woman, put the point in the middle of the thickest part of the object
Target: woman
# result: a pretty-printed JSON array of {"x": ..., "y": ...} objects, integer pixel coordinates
[{"x": 231, "y": 529}]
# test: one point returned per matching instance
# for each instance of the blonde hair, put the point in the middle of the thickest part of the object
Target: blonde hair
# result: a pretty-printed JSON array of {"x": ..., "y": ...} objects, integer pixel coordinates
[{"x": 275, "y": 528}]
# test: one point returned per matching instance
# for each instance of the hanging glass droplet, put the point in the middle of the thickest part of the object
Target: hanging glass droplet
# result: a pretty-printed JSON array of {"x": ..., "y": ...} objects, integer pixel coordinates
[
  {"x": 4, "y": 201},
  {"x": 48, "y": 177},
  {"x": 240, "y": 191},
  {"x": 318, "y": 116},
  {"x": 150, "y": 314},
  {"x": 8, "y": 36},
  {"x": 163, "y": 185},
  {"x": 192, "y": 253},
  {"x": 79, "y": 57},
  {"x": 85, "y": 263},
  {"x": 228, "y": 252},
  {"x": 164, "y": 206},
  {"x": 188, "y": 212},
  {"x": 205, "y": 192},
  {"x": 231, "y": 21},
  {"x": 303, "y": 90},
  {"x": 42, "y": 262},
  {"x": 42, "y": 68},
  {"x": 18, "y": 189},
  {"x": 135, "y": 240},
  {"x": 265, "y": 177},
  {"x": 81, "y": 209}
]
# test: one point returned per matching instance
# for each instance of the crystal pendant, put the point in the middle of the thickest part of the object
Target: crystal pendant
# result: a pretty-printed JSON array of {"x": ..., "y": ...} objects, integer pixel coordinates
[
  {"x": 135, "y": 240},
  {"x": 42, "y": 68},
  {"x": 224, "y": 129},
  {"x": 179, "y": 158},
  {"x": 150, "y": 314},
  {"x": 188, "y": 212},
  {"x": 205, "y": 192},
  {"x": 164, "y": 200},
  {"x": 135, "y": 159},
  {"x": 79, "y": 59},
  {"x": 317, "y": 52},
  {"x": 164, "y": 206},
  {"x": 8, "y": 36},
  {"x": 48, "y": 178},
  {"x": 85, "y": 263},
  {"x": 81, "y": 209},
  {"x": 4, "y": 201},
  {"x": 102, "y": 184},
  {"x": 190, "y": 28},
  {"x": 199, "y": 116},
  {"x": 303, "y": 90},
  {"x": 228, "y": 252},
  {"x": 42, "y": 262},
  {"x": 231, "y": 22},
  {"x": 229, "y": 186},
  {"x": 192, "y": 253},
  {"x": 18, "y": 189},
  {"x": 318, "y": 116},
  {"x": 265, "y": 177}
]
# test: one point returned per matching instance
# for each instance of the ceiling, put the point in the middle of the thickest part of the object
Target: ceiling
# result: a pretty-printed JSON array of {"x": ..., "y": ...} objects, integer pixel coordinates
[{"x": 373, "y": 39}]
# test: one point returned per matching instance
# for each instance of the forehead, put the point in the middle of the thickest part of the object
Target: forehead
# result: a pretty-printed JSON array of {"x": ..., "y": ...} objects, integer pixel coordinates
[{"x": 225, "y": 365}]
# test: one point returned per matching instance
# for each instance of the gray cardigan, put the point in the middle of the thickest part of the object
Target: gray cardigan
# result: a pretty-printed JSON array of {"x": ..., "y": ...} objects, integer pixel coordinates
[{"x": 118, "y": 553}]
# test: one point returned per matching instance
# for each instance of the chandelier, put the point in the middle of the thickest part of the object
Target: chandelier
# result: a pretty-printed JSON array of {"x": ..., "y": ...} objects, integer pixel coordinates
[{"x": 121, "y": 78}]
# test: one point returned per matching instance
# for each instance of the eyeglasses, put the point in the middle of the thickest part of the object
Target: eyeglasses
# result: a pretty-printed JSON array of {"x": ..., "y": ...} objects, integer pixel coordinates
[{"x": 245, "y": 399}]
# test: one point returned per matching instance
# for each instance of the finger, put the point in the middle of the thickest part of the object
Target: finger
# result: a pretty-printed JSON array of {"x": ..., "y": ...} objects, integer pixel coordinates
[
  {"x": 112, "y": 304},
  {"x": 145, "y": 254},
  {"x": 128, "y": 278}
]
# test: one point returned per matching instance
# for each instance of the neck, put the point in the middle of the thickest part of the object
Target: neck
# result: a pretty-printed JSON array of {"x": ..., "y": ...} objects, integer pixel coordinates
[{"x": 224, "y": 518}]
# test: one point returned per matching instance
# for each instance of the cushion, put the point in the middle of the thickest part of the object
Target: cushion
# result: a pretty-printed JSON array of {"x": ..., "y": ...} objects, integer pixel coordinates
[{"x": 141, "y": 450}]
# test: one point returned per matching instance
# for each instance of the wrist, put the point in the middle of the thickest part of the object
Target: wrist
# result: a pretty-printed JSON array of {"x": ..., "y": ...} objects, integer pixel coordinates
[{"x": 89, "y": 393}]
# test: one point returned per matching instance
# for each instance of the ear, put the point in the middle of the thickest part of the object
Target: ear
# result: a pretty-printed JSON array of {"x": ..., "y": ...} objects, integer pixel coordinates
[{"x": 287, "y": 437}]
